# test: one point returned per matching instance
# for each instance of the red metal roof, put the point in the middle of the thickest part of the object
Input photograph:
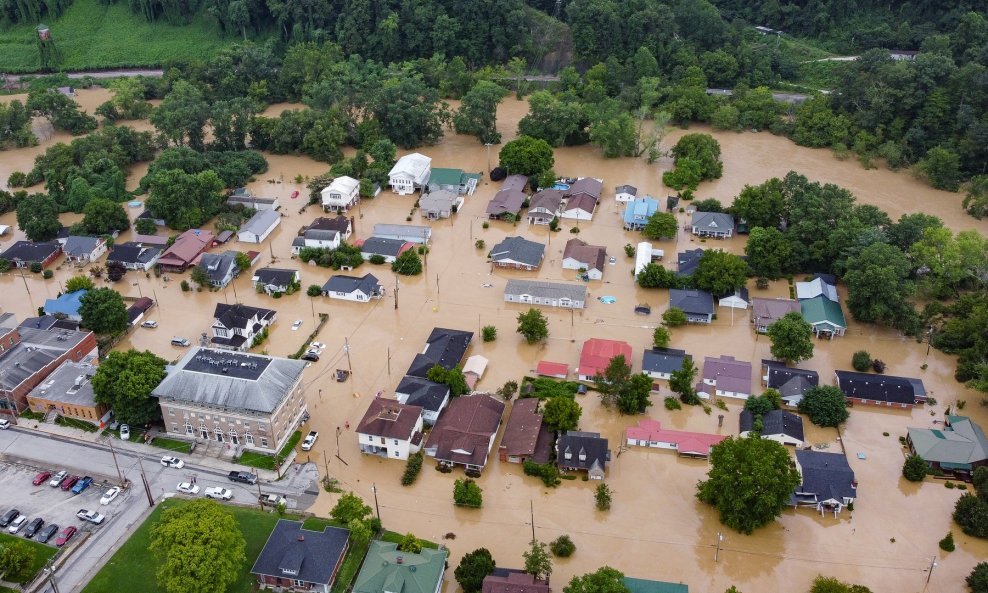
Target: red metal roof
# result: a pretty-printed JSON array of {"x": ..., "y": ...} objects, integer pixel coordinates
[
  {"x": 697, "y": 443},
  {"x": 551, "y": 369},
  {"x": 597, "y": 354}
]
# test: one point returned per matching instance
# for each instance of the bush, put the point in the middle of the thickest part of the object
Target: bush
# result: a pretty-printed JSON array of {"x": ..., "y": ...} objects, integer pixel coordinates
[
  {"x": 185, "y": 286},
  {"x": 17, "y": 179},
  {"x": 36, "y": 267},
  {"x": 314, "y": 290},
  {"x": 486, "y": 225},
  {"x": 466, "y": 493},
  {"x": 629, "y": 250},
  {"x": 861, "y": 361},
  {"x": 376, "y": 259},
  {"x": 47, "y": 274},
  {"x": 562, "y": 546},
  {"x": 914, "y": 469},
  {"x": 603, "y": 497},
  {"x": 674, "y": 317},
  {"x": 672, "y": 403},
  {"x": 489, "y": 333},
  {"x": 480, "y": 244},
  {"x": 412, "y": 469},
  {"x": 546, "y": 471}
]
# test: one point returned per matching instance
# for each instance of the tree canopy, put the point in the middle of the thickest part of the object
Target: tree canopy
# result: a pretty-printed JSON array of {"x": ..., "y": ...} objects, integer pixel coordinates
[
  {"x": 527, "y": 156},
  {"x": 103, "y": 311},
  {"x": 604, "y": 580},
  {"x": 825, "y": 405},
  {"x": 124, "y": 382},
  {"x": 473, "y": 567},
  {"x": 561, "y": 413},
  {"x": 792, "y": 338},
  {"x": 533, "y": 326}
]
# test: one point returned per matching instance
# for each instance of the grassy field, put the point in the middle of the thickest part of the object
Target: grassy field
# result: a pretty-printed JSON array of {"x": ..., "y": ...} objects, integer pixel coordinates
[
  {"x": 40, "y": 554},
  {"x": 74, "y": 423},
  {"x": 174, "y": 445},
  {"x": 92, "y": 36},
  {"x": 265, "y": 461}
]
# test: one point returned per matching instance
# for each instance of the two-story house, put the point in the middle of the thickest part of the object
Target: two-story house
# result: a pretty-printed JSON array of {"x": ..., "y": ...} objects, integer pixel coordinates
[
  {"x": 235, "y": 326},
  {"x": 390, "y": 429}
]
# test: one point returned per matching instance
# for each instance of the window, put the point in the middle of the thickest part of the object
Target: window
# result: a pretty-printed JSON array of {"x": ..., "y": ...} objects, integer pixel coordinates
[
  {"x": 174, "y": 427},
  {"x": 249, "y": 438},
  {"x": 396, "y": 452},
  {"x": 396, "y": 441},
  {"x": 298, "y": 583},
  {"x": 264, "y": 442},
  {"x": 188, "y": 427},
  {"x": 171, "y": 412}
]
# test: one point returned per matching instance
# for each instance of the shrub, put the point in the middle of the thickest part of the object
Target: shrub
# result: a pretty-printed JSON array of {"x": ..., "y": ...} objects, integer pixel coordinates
[
  {"x": 674, "y": 317},
  {"x": 486, "y": 225},
  {"x": 489, "y": 333},
  {"x": 185, "y": 286},
  {"x": 36, "y": 267},
  {"x": 575, "y": 230},
  {"x": 480, "y": 244},
  {"x": 466, "y": 493},
  {"x": 878, "y": 366},
  {"x": 562, "y": 546},
  {"x": 861, "y": 361},
  {"x": 672, "y": 403},
  {"x": 17, "y": 179},
  {"x": 914, "y": 469},
  {"x": 603, "y": 497},
  {"x": 47, "y": 274},
  {"x": 629, "y": 250},
  {"x": 546, "y": 471},
  {"x": 314, "y": 290},
  {"x": 376, "y": 259}
]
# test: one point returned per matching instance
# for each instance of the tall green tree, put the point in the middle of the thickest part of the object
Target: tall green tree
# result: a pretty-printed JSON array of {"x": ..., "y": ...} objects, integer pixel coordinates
[
  {"x": 792, "y": 338},
  {"x": 103, "y": 311},
  {"x": 561, "y": 413},
  {"x": 661, "y": 225},
  {"x": 15, "y": 558},
  {"x": 102, "y": 217},
  {"x": 769, "y": 252},
  {"x": 720, "y": 272},
  {"x": 477, "y": 115},
  {"x": 825, "y": 405},
  {"x": 878, "y": 284},
  {"x": 473, "y": 568},
  {"x": 942, "y": 168},
  {"x": 682, "y": 382},
  {"x": 614, "y": 378},
  {"x": 410, "y": 112},
  {"x": 182, "y": 116},
  {"x": 977, "y": 581},
  {"x": 604, "y": 580},
  {"x": 184, "y": 201},
  {"x": 761, "y": 205},
  {"x": 37, "y": 216},
  {"x": 538, "y": 562},
  {"x": 533, "y": 326},
  {"x": 526, "y": 156},
  {"x": 553, "y": 119},
  {"x": 350, "y": 507},
  {"x": 124, "y": 382}
]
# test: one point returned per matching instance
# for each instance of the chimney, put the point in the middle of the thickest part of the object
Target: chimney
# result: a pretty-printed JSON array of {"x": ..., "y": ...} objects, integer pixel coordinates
[
  {"x": 301, "y": 538},
  {"x": 400, "y": 560}
]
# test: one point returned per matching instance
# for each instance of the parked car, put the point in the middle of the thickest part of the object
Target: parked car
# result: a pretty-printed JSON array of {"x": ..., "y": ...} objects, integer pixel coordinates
[
  {"x": 124, "y": 432},
  {"x": 169, "y": 461},
  {"x": 47, "y": 532},
  {"x": 311, "y": 357},
  {"x": 150, "y": 324},
  {"x": 17, "y": 524},
  {"x": 243, "y": 477},
  {"x": 41, "y": 478},
  {"x": 4, "y": 424},
  {"x": 34, "y": 527},
  {"x": 318, "y": 345},
  {"x": 271, "y": 500},
  {"x": 91, "y": 516},
  {"x": 56, "y": 480},
  {"x": 187, "y": 488},
  {"x": 297, "y": 324},
  {"x": 8, "y": 517},
  {"x": 64, "y": 537},
  {"x": 316, "y": 351},
  {"x": 82, "y": 484},
  {"x": 217, "y": 492},
  {"x": 69, "y": 482},
  {"x": 182, "y": 342},
  {"x": 110, "y": 495},
  {"x": 310, "y": 440}
]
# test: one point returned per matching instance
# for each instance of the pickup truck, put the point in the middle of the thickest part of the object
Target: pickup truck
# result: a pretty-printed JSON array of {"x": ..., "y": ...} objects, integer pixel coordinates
[
  {"x": 271, "y": 500},
  {"x": 243, "y": 477},
  {"x": 217, "y": 492},
  {"x": 310, "y": 440},
  {"x": 91, "y": 516},
  {"x": 81, "y": 485}
]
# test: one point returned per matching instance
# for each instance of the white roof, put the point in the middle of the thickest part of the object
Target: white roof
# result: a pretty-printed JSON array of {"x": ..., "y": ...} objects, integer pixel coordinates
[
  {"x": 476, "y": 364},
  {"x": 4, "y": 228},
  {"x": 809, "y": 290},
  {"x": 643, "y": 256},
  {"x": 344, "y": 185},
  {"x": 415, "y": 165}
]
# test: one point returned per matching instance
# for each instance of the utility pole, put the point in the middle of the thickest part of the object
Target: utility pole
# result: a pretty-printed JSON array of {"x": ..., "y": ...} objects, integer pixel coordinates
[
  {"x": 117, "y": 465},
  {"x": 396, "y": 293},
  {"x": 720, "y": 538},
  {"x": 338, "y": 431},
  {"x": 51, "y": 574},
  {"x": 437, "y": 288},
  {"x": 346, "y": 348},
  {"x": 325, "y": 460},
  {"x": 488, "y": 145},
  {"x": 389, "y": 363},
  {"x": 929, "y": 573},
  {"x": 376, "y": 506},
  {"x": 144, "y": 480},
  {"x": 531, "y": 510},
  {"x": 259, "y": 503}
]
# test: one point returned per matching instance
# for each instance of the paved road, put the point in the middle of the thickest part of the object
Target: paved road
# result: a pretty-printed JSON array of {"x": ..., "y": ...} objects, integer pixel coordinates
[
  {"x": 53, "y": 451},
  {"x": 95, "y": 74}
]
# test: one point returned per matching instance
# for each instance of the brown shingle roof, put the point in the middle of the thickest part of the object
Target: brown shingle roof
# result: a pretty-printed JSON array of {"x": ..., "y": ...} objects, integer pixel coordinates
[
  {"x": 521, "y": 433},
  {"x": 586, "y": 185},
  {"x": 584, "y": 202},
  {"x": 463, "y": 432},
  {"x": 513, "y": 581},
  {"x": 390, "y": 419},
  {"x": 591, "y": 255}
]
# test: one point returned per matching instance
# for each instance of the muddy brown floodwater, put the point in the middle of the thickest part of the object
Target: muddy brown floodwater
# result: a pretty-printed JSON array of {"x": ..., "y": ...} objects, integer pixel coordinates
[{"x": 656, "y": 528}]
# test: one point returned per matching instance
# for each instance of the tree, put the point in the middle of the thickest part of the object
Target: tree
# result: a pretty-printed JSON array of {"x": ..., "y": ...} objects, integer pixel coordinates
[
  {"x": 654, "y": 275},
  {"x": 360, "y": 531},
  {"x": 612, "y": 128},
  {"x": 947, "y": 543},
  {"x": 602, "y": 497},
  {"x": 477, "y": 115},
  {"x": 941, "y": 167},
  {"x": 682, "y": 380},
  {"x": 452, "y": 378},
  {"x": 971, "y": 513},
  {"x": 761, "y": 205},
  {"x": 182, "y": 116},
  {"x": 861, "y": 361},
  {"x": 145, "y": 226},
  {"x": 103, "y": 311},
  {"x": 200, "y": 548},
  {"x": 562, "y": 413},
  {"x": 634, "y": 395},
  {"x": 533, "y": 326},
  {"x": 538, "y": 563},
  {"x": 823, "y": 584},
  {"x": 562, "y": 546},
  {"x": 102, "y": 217},
  {"x": 977, "y": 581},
  {"x": 473, "y": 567},
  {"x": 674, "y": 317},
  {"x": 184, "y": 200},
  {"x": 489, "y": 333},
  {"x": 559, "y": 122},
  {"x": 976, "y": 200},
  {"x": 736, "y": 483},
  {"x": 720, "y": 272},
  {"x": 350, "y": 507},
  {"x": 526, "y": 156},
  {"x": 15, "y": 557},
  {"x": 37, "y": 216},
  {"x": 825, "y": 405},
  {"x": 243, "y": 261},
  {"x": 466, "y": 493},
  {"x": 407, "y": 264},
  {"x": 409, "y": 111},
  {"x": 604, "y": 580},
  {"x": 613, "y": 380},
  {"x": 792, "y": 338},
  {"x": 200, "y": 276},
  {"x": 909, "y": 229},
  {"x": 508, "y": 390},
  {"x": 661, "y": 225},
  {"x": 702, "y": 149},
  {"x": 410, "y": 544},
  {"x": 661, "y": 337},
  {"x": 78, "y": 283},
  {"x": 769, "y": 252},
  {"x": 124, "y": 382},
  {"x": 878, "y": 284}
]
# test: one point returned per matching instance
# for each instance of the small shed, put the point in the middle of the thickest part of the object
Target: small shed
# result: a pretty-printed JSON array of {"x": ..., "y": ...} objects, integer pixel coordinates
[{"x": 556, "y": 370}]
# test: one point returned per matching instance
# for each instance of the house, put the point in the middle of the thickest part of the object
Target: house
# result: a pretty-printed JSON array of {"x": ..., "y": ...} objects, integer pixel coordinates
[
  {"x": 597, "y": 354},
  {"x": 428, "y": 395},
  {"x": 390, "y": 429},
  {"x": 341, "y": 224},
  {"x": 387, "y": 570},
  {"x": 136, "y": 311},
  {"x": 409, "y": 174},
  {"x": 508, "y": 201},
  {"x": 585, "y": 186},
  {"x": 579, "y": 255},
  {"x": 644, "y": 255},
  {"x": 648, "y": 586},
  {"x": 957, "y": 449},
  {"x": 220, "y": 268},
  {"x": 817, "y": 287},
  {"x": 880, "y": 390},
  {"x": 790, "y": 382},
  {"x": 825, "y": 315},
  {"x": 738, "y": 300},
  {"x": 728, "y": 377},
  {"x": 133, "y": 256},
  {"x": 545, "y": 206},
  {"x": 66, "y": 305},
  {"x": 518, "y": 253},
  {"x": 579, "y": 207},
  {"x": 23, "y": 253},
  {"x": 68, "y": 392},
  {"x": 649, "y": 433},
  {"x": 301, "y": 559},
  {"x": 404, "y": 232},
  {"x": 146, "y": 215},
  {"x": 186, "y": 248},
  {"x": 259, "y": 226},
  {"x": 671, "y": 203},
  {"x": 697, "y": 304},
  {"x": 444, "y": 347},
  {"x": 780, "y": 426},
  {"x": 272, "y": 280},
  {"x": 84, "y": 250},
  {"x": 242, "y": 197},
  {"x": 473, "y": 369},
  {"x": 249, "y": 401},
  {"x": 352, "y": 288},
  {"x": 827, "y": 481},
  {"x": 464, "y": 434},
  {"x": 556, "y": 370},
  {"x": 453, "y": 180},
  {"x": 151, "y": 240},
  {"x": 552, "y": 294},
  {"x": 317, "y": 239},
  {"x": 440, "y": 204},
  {"x": 340, "y": 195},
  {"x": 765, "y": 312},
  {"x": 712, "y": 224},
  {"x": 389, "y": 249},
  {"x": 625, "y": 193},
  {"x": 508, "y": 580},
  {"x": 31, "y": 351},
  {"x": 583, "y": 451},
  {"x": 235, "y": 326},
  {"x": 525, "y": 435},
  {"x": 638, "y": 211},
  {"x": 661, "y": 363},
  {"x": 688, "y": 261},
  {"x": 223, "y": 238}
]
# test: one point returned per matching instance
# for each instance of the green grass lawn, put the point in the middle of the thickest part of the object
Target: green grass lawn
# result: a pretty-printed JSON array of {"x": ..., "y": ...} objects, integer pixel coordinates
[
  {"x": 95, "y": 36},
  {"x": 350, "y": 567},
  {"x": 265, "y": 461},
  {"x": 173, "y": 445},
  {"x": 74, "y": 423},
  {"x": 395, "y": 538},
  {"x": 40, "y": 554}
]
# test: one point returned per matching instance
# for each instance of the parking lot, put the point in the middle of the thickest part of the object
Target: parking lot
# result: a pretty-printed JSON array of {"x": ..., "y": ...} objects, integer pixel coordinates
[{"x": 53, "y": 505}]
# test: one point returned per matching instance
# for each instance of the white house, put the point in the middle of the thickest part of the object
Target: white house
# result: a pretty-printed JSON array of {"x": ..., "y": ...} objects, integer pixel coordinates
[
  {"x": 737, "y": 300},
  {"x": 317, "y": 238},
  {"x": 578, "y": 255},
  {"x": 272, "y": 280},
  {"x": 390, "y": 429},
  {"x": 84, "y": 250},
  {"x": 341, "y": 194},
  {"x": 625, "y": 193},
  {"x": 428, "y": 395},
  {"x": 235, "y": 326},
  {"x": 579, "y": 207},
  {"x": 403, "y": 232},
  {"x": 352, "y": 288},
  {"x": 410, "y": 173},
  {"x": 645, "y": 254},
  {"x": 259, "y": 226}
]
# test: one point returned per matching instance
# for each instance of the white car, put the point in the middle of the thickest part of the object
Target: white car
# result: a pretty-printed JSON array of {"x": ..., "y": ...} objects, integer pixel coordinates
[
  {"x": 297, "y": 324},
  {"x": 316, "y": 351},
  {"x": 187, "y": 488},
  {"x": 56, "y": 480},
  {"x": 110, "y": 495},
  {"x": 17, "y": 524},
  {"x": 310, "y": 440},
  {"x": 169, "y": 461},
  {"x": 91, "y": 516},
  {"x": 150, "y": 324},
  {"x": 124, "y": 432},
  {"x": 217, "y": 492},
  {"x": 318, "y": 345}
]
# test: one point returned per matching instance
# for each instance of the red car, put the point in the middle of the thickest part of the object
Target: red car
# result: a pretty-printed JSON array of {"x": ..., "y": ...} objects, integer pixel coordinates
[
  {"x": 40, "y": 478},
  {"x": 69, "y": 482},
  {"x": 64, "y": 537},
  {"x": 294, "y": 194}
]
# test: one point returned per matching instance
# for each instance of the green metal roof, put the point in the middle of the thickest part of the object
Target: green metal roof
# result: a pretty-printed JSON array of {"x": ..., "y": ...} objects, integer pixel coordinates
[
  {"x": 647, "y": 586},
  {"x": 417, "y": 573},
  {"x": 442, "y": 176},
  {"x": 959, "y": 445},
  {"x": 820, "y": 309}
]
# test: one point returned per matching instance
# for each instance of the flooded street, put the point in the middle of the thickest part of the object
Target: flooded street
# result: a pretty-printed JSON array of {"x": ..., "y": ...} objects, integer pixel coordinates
[{"x": 656, "y": 528}]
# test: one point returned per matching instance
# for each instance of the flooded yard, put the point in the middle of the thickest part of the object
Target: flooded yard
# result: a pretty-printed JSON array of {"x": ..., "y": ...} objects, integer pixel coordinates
[{"x": 656, "y": 528}]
